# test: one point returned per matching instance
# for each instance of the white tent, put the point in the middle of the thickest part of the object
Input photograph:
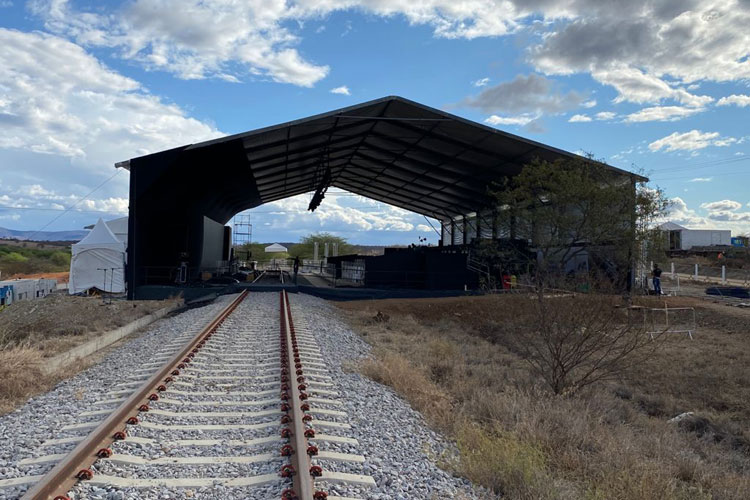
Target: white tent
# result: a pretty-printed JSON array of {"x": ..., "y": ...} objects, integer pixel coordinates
[
  {"x": 98, "y": 260},
  {"x": 119, "y": 228},
  {"x": 275, "y": 248}
]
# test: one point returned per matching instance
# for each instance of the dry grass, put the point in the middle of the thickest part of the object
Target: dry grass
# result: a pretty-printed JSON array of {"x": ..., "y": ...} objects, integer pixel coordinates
[
  {"x": 611, "y": 441},
  {"x": 31, "y": 331}
]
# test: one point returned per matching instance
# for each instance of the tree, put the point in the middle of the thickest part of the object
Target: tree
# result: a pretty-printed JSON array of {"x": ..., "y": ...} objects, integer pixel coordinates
[
  {"x": 571, "y": 212},
  {"x": 306, "y": 247}
]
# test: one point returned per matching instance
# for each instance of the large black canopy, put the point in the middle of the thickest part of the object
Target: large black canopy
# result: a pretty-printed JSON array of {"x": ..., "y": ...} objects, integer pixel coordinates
[{"x": 390, "y": 149}]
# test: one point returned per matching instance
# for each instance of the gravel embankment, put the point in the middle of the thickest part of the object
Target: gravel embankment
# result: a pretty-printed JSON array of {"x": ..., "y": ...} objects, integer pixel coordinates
[
  {"x": 393, "y": 438},
  {"x": 23, "y": 432}
]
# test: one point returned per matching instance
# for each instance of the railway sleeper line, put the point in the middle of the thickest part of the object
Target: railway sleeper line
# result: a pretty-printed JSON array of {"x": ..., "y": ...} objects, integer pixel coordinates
[{"x": 245, "y": 403}]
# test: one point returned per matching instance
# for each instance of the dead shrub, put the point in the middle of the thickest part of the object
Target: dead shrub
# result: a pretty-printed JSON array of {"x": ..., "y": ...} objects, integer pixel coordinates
[{"x": 575, "y": 341}]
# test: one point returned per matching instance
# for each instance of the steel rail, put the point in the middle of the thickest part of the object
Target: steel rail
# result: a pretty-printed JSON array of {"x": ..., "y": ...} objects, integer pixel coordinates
[
  {"x": 59, "y": 480},
  {"x": 302, "y": 481}
]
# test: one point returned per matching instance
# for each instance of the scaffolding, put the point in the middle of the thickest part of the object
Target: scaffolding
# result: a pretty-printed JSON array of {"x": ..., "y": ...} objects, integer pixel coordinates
[{"x": 242, "y": 235}]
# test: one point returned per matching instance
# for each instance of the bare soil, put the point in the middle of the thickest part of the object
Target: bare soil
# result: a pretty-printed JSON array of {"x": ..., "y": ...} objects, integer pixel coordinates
[{"x": 610, "y": 441}]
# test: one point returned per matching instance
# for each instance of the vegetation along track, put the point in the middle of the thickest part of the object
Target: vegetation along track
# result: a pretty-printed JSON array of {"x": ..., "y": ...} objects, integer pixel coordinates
[{"x": 244, "y": 409}]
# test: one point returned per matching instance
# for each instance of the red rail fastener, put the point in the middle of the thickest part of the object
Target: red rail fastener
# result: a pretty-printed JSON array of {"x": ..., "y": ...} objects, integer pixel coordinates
[
  {"x": 168, "y": 380},
  {"x": 286, "y": 432},
  {"x": 289, "y": 494},
  {"x": 309, "y": 433},
  {"x": 132, "y": 421},
  {"x": 320, "y": 495},
  {"x": 300, "y": 379},
  {"x": 285, "y": 419},
  {"x": 61, "y": 497},
  {"x": 312, "y": 450},
  {"x": 104, "y": 453},
  {"x": 161, "y": 388},
  {"x": 119, "y": 435},
  {"x": 307, "y": 418},
  {"x": 287, "y": 450},
  {"x": 316, "y": 471},
  {"x": 302, "y": 396},
  {"x": 304, "y": 407},
  {"x": 143, "y": 408},
  {"x": 153, "y": 397},
  {"x": 302, "y": 387},
  {"x": 175, "y": 372},
  {"x": 284, "y": 407},
  {"x": 181, "y": 366},
  {"x": 287, "y": 470},
  {"x": 85, "y": 474}
]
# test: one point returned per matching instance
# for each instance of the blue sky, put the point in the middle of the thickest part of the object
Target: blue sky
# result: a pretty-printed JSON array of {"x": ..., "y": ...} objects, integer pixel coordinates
[{"x": 662, "y": 87}]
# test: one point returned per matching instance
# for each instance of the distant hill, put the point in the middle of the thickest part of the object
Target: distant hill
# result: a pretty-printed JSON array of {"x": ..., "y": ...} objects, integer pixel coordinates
[{"x": 12, "y": 234}]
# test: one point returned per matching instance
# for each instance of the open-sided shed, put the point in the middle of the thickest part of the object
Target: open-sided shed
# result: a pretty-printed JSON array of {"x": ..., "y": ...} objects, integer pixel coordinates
[{"x": 392, "y": 149}]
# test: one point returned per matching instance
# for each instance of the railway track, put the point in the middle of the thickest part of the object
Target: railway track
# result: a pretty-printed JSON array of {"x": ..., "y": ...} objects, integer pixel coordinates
[{"x": 242, "y": 409}]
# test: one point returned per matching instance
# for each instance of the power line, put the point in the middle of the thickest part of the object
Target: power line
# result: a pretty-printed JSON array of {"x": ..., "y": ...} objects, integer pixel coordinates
[
  {"x": 117, "y": 171},
  {"x": 36, "y": 209}
]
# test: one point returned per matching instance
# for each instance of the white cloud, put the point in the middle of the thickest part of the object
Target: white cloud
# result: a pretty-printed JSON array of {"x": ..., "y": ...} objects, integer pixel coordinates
[
  {"x": 722, "y": 214},
  {"x": 721, "y": 205},
  {"x": 481, "y": 82},
  {"x": 662, "y": 114},
  {"x": 690, "y": 141},
  {"x": 679, "y": 213},
  {"x": 37, "y": 196},
  {"x": 702, "y": 179},
  {"x": 343, "y": 90},
  {"x": 579, "y": 118},
  {"x": 4, "y": 4},
  {"x": 342, "y": 213},
  {"x": 81, "y": 109},
  {"x": 589, "y": 104},
  {"x": 242, "y": 38},
  {"x": 735, "y": 99},
  {"x": 510, "y": 120},
  {"x": 605, "y": 115},
  {"x": 650, "y": 51}
]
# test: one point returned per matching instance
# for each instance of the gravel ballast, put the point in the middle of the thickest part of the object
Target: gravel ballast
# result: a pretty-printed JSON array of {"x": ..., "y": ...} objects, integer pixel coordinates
[{"x": 394, "y": 439}]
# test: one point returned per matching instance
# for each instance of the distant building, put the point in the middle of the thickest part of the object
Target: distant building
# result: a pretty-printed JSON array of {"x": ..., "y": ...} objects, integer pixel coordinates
[
  {"x": 682, "y": 238},
  {"x": 27, "y": 289}
]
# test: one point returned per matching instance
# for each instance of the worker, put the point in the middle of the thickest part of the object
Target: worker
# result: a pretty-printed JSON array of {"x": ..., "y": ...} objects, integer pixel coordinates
[
  {"x": 656, "y": 274},
  {"x": 296, "y": 268}
]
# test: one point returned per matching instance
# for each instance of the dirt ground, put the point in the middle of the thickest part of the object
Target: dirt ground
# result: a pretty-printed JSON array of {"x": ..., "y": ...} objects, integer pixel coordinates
[
  {"x": 61, "y": 277},
  {"x": 33, "y": 330},
  {"x": 609, "y": 441}
]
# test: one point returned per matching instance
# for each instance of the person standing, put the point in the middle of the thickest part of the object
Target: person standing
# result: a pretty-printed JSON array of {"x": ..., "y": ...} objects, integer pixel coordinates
[
  {"x": 296, "y": 268},
  {"x": 656, "y": 274}
]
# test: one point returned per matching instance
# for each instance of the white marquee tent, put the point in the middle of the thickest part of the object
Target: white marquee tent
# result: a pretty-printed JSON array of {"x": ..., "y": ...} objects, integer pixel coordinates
[
  {"x": 98, "y": 261},
  {"x": 275, "y": 248}
]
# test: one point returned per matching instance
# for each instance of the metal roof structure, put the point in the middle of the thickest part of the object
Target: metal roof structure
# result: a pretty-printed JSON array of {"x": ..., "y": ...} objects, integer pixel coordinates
[{"x": 391, "y": 149}]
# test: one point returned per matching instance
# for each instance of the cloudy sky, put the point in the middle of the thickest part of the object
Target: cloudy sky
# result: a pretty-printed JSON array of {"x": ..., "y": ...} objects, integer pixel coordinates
[{"x": 662, "y": 86}]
